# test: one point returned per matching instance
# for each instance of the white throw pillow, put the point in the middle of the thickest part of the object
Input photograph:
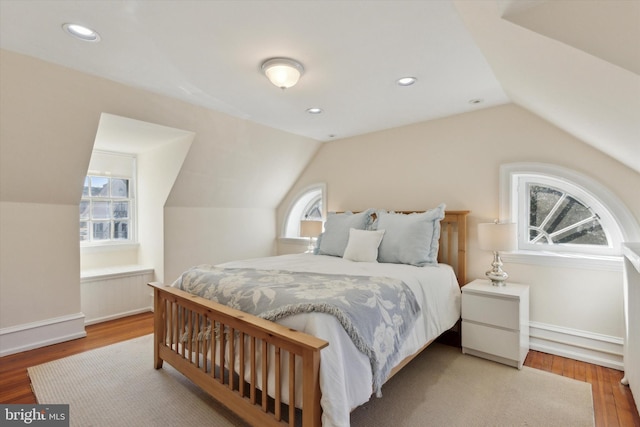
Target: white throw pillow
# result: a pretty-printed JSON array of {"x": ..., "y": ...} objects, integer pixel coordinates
[{"x": 363, "y": 245}]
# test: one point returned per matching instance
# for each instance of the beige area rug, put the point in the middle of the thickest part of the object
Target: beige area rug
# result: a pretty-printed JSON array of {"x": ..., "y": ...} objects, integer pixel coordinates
[{"x": 117, "y": 386}]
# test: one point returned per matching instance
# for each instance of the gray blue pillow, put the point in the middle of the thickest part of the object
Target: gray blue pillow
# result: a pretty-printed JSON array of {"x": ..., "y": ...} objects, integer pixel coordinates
[
  {"x": 336, "y": 231},
  {"x": 410, "y": 239}
]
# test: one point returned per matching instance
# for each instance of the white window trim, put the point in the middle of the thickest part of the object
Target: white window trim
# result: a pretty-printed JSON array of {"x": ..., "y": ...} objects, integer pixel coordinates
[
  {"x": 293, "y": 211},
  {"x": 620, "y": 219}
]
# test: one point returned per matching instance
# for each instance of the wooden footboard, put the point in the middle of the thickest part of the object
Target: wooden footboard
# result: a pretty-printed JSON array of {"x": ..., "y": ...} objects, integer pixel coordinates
[{"x": 219, "y": 348}]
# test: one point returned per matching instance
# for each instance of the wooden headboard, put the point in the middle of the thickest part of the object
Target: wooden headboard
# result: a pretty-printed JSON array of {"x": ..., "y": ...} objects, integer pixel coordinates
[{"x": 453, "y": 242}]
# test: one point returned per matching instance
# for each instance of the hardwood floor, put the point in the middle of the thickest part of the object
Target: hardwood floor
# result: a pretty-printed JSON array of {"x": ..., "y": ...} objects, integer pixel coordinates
[
  {"x": 15, "y": 386},
  {"x": 613, "y": 403}
]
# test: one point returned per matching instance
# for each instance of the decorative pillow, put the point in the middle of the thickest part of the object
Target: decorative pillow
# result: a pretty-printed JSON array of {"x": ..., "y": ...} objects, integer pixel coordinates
[
  {"x": 363, "y": 245},
  {"x": 410, "y": 239},
  {"x": 336, "y": 231}
]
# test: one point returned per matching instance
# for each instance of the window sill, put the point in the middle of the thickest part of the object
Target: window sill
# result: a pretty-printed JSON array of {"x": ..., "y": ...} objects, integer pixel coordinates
[
  {"x": 566, "y": 260},
  {"x": 296, "y": 240},
  {"x": 98, "y": 274},
  {"x": 108, "y": 247}
]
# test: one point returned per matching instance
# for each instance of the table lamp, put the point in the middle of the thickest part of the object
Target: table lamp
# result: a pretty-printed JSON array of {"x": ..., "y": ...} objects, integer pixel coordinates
[
  {"x": 310, "y": 229},
  {"x": 497, "y": 237}
]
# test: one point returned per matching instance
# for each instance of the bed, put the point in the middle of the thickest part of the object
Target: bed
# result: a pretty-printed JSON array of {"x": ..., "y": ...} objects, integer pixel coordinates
[{"x": 305, "y": 358}]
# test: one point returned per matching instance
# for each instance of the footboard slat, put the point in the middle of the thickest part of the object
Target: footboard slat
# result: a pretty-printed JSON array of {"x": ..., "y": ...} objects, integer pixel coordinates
[
  {"x": 232, "y": 357},
  {"x": 224, "y": 351},
  {"x": 222, "y": 341},
  {"x": 292, "y": 381},
  {"x": 252, "y": 368},
  {"x": 278, "y": 384},
  {"x": 265, "y": 372},
  {"x": 242, "y": 364}
]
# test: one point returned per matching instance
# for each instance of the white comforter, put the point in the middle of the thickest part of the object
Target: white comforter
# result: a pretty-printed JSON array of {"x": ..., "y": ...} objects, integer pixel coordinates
[{"x": 345, "y": 373}]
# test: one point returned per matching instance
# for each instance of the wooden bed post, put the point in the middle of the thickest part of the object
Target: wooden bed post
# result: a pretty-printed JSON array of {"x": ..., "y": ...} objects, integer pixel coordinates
[
  {"x": 159, "y": 307},
  {"x": 311, "y": 415}
]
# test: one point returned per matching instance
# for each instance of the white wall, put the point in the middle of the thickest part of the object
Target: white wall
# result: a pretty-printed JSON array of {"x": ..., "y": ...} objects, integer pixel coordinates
[
  {"x": 157, "y": 171},
  {"x": 456, "y": 160},
  {"x": 49, "y": 117},
  {"x": 30, "y": 277},
  {"x": 239, "y": 233}
]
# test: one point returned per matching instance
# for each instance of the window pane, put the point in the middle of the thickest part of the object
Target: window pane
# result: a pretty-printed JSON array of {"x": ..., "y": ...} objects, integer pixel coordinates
[
  {"x": 314, "y": 210},
  {"x": 85, "y": 188},
  {"x": 99, "y": 186},
  {"x": 119, "y": 187},
  {"x": 121, "y": 230},
  {"x": 84, "y": 209},
  {"x": 84, "y": 231},
  {"x": 101, "y": 230},
  {"x": 541, "y": 202},
  {"x": 590, "y": 233},
  {"x": 100, "y": 210},
  {"x": 120, "y": 210},
  {"x": 556, "y": 217}
]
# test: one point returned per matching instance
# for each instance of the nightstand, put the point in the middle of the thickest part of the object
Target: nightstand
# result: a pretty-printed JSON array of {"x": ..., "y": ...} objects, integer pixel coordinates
[{"x": 495, "y": 321}]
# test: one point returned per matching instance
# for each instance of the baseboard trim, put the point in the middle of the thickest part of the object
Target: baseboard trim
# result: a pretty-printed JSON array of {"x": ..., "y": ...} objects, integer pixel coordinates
[
  {"x": 16, "y": 339},
  {"x": 118, "y": 316},
  {"x": 603, "y": 350}
]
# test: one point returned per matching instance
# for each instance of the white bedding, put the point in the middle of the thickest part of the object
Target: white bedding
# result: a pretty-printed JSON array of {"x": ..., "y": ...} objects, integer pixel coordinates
[{"x": 345, "y": 373}]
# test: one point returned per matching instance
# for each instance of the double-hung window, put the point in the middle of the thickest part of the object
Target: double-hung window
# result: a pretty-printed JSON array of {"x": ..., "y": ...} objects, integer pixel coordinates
[{"x": 107, "y": 207}]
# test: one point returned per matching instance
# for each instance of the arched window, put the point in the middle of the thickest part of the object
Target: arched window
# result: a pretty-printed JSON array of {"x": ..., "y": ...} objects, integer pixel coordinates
[
  {"x": 308, "y": 205},
  {"x": 559, "y": 211}
]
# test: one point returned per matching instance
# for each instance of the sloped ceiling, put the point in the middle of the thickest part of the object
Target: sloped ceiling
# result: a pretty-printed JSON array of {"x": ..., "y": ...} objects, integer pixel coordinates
[
  {"x": 574, "y": 63},
  {"x": 209, "y": 53}
]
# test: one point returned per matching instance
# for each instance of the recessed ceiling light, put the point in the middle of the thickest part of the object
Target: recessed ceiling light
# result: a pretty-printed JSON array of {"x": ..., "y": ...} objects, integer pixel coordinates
[
  {"x": 314, "y": 110},
  {"x": 476, "y": 101},
  {"x": 81, "y": 32},
  {"x": 406, "y": 81}
]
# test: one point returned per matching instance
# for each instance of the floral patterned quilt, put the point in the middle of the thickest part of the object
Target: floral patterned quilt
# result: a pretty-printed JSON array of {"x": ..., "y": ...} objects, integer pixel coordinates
[{"x": 376, "y": 312}]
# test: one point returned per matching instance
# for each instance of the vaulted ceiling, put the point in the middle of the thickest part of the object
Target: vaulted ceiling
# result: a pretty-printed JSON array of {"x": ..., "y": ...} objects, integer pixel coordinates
[{"x": 576, "y": 63}]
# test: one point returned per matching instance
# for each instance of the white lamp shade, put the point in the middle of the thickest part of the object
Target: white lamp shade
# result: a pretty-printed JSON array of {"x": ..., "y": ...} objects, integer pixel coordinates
[
  {"x": 309, "y": 228},
  {"x": 497, "y": 237},
  {"x": 282, "y": 72}
]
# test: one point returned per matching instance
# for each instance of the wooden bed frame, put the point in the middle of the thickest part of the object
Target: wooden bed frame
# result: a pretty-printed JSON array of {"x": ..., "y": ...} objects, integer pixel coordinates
[{"x": 180, "y": 319}]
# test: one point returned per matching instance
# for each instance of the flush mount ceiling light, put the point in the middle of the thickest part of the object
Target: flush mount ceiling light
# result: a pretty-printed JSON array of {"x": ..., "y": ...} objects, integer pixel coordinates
[
  {"x": 314, "y": 110},
  {"x": 282, "y": 72},
  {"x": 81, "y": 32},
  {"x": 406, "y": 81}
]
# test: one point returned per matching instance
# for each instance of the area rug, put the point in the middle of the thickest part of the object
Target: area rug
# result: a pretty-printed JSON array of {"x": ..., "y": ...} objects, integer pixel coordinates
[{"x": 118, "y": 386}]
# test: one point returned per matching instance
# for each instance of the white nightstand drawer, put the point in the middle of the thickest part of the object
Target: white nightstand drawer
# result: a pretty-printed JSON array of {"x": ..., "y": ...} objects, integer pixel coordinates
[
  {"x": 492, "y": 310},
  {"x": 498, "y": 342}
]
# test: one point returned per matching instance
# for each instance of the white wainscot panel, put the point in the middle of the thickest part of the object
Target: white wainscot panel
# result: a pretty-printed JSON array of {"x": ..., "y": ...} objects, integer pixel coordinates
[{"x": 112, "y": 293}]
